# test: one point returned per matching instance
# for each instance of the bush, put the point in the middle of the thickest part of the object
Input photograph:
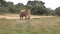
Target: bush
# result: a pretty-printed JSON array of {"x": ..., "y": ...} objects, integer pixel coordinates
[{"x": 38, "y": 10}]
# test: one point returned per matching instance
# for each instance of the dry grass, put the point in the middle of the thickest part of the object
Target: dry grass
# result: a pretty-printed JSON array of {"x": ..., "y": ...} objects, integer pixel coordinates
[{"x": 32, "y": 26}]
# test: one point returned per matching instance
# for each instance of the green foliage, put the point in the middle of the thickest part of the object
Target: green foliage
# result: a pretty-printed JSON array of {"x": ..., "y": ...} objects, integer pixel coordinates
[
  {"x": 32, "y": 3},
  {"x": 38, "y": 9},
  {"x": 57, "y": 10},
  {"x": 9, "y": 7},
  {"x": 40, "y": 26},
  {"x": 50, "y": 11}
]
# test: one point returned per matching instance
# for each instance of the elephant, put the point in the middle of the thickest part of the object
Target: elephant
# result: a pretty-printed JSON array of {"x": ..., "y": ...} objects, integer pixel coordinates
[{"x": 25, "y": 13}]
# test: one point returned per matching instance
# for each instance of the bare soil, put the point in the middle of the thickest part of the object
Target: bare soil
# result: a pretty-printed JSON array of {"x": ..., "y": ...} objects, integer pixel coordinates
[{"x": 16, "y": 16}]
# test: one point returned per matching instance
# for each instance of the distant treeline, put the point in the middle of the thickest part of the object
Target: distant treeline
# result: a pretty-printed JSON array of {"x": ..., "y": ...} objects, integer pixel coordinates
[{"x": 37, "y": 8}]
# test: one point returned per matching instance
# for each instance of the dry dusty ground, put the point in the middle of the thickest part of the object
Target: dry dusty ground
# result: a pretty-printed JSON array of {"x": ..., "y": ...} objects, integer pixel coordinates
[{"x": 16, "y": 16}]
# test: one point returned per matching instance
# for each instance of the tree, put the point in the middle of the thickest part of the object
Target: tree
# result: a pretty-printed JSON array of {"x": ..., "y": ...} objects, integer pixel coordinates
[
  {"x": 2, "y": 2},
  {"x": 32, "y": 3},
  {"x": 9, "y": 3},
  {"x": 57, "y": 10},
  {"x": 37, "y": 7},
  {"x": 38, "y": 10},
  {"x": 20, "y": 4},
  {"x": 50, "y": 11}
]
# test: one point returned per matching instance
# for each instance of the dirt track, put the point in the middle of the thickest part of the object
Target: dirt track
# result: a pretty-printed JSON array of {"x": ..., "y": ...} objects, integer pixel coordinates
[{"x": 17, "y": 16}]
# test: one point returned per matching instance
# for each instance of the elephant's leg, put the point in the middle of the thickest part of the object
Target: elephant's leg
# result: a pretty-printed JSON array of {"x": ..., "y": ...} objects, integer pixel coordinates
[
  {"x": 25, "y": 17},
  {"x": 21, "y": 17},
  {"x": 28, "y": 17}
]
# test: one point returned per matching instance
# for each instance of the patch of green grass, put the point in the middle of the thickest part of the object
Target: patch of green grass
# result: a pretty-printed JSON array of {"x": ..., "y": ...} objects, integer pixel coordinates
[{"x": 41, "y": 26}]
